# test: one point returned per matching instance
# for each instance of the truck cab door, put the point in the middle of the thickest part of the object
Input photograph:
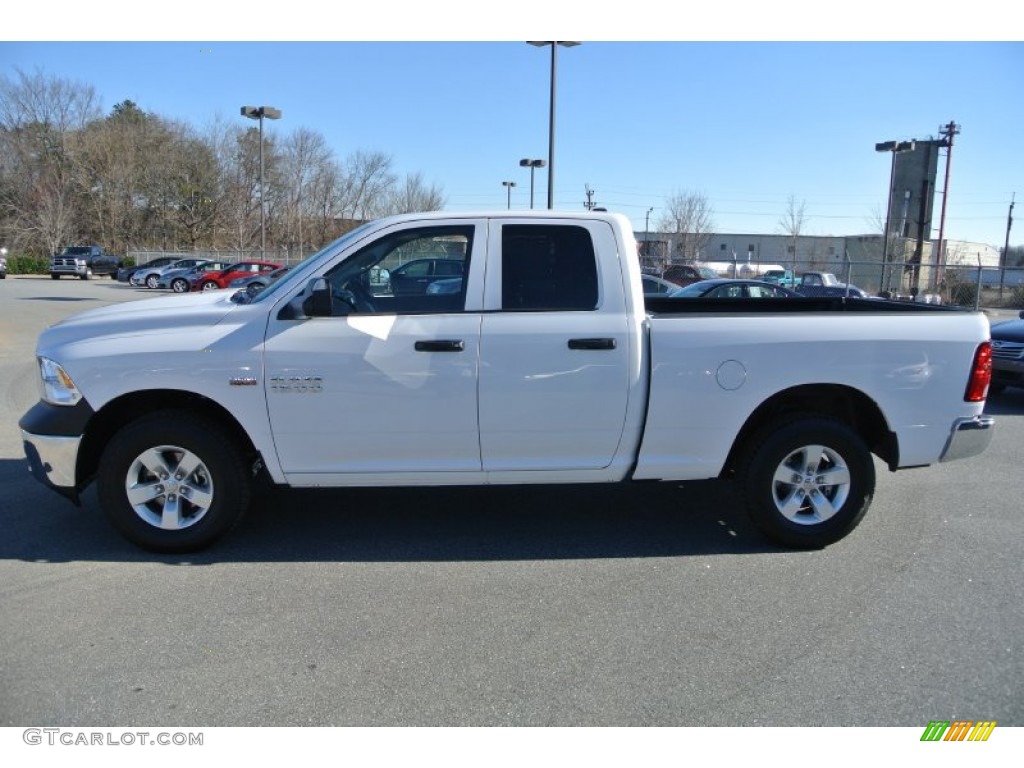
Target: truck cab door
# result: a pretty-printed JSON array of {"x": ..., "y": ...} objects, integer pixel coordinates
[
  {"x": 555, "y": 347},
  {"x": 386, "y": 387}
]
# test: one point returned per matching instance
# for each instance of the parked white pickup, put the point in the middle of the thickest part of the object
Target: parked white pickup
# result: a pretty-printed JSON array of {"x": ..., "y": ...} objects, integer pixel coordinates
[{"x": 540, "y": 364}]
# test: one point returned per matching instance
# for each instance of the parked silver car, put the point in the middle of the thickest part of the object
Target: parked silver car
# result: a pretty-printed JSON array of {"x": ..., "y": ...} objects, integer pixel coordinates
[
  {"x": 181, "y": 280},
  {"x": 149, "y": 275}
]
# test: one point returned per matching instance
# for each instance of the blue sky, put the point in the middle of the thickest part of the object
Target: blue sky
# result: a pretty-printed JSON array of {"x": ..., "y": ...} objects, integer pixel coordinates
[{"x": 747, "y": 123}]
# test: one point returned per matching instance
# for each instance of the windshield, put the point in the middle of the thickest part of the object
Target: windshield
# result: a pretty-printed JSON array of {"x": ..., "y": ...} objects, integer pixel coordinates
[
  {"x": 293, "y": 274},
  {"x": 693, "y": 289}
]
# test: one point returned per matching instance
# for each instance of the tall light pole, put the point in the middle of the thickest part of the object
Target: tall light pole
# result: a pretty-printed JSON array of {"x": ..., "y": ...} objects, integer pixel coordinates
[
  {"x": 533, "y": 165},
  {"x": 893, "y": 147},
  {"x": 551, "y": 111},
  {"x": 258, "y": 113},
  {"x": 508, "y": 186},
  {"x": 647, "y": 229}
]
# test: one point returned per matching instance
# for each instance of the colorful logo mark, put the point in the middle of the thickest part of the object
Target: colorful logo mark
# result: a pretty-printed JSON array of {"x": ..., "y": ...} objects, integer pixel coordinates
[{"x": 958, "y": 730}]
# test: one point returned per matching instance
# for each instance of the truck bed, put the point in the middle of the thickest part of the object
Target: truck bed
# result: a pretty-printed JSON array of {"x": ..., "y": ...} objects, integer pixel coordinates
[{"x": 666, "y": 306}]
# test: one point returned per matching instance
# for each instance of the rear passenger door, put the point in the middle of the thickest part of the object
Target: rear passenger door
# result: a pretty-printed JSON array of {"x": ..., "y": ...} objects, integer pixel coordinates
[{"x": 554, "y": 374}]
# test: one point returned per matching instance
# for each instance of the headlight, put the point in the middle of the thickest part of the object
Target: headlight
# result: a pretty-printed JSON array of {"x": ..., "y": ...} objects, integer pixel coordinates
[{"x": 57, "y": 386}]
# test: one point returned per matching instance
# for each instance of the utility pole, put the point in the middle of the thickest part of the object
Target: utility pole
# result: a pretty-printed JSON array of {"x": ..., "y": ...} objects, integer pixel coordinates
[
  {"x": 589, "y": 205},
  {"x": 947, "y": 132},
  {"x": 1006, "y": 247}
]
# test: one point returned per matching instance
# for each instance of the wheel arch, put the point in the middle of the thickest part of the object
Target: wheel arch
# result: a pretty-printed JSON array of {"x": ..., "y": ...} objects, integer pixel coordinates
[
  {"x": 846, "y": 404},
  {"x": 127, "y": 408}
]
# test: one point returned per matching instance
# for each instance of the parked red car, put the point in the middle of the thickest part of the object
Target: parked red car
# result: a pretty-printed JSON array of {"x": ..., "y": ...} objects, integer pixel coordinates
[
  {"x": 685, "y": 274},
  {"x": 212, "y": 281}
]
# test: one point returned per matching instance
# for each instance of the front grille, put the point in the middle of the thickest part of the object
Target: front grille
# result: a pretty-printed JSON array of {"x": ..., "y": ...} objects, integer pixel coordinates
[{"x": 1008, "y": 350}]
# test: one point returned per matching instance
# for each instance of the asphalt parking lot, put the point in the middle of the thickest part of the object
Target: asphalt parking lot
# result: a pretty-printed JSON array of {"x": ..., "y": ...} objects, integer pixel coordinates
[{"x": 633, "y": 605}]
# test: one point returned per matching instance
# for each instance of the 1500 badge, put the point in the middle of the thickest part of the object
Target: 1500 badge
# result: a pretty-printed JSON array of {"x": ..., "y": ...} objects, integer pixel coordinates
[{"x": 296, "y": 383}]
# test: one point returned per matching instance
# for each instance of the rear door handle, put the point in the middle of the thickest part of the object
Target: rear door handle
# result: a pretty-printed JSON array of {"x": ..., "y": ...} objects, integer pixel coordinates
[
  {"x": 591, "y": 343},
  {"x": 440, "y": 345}
]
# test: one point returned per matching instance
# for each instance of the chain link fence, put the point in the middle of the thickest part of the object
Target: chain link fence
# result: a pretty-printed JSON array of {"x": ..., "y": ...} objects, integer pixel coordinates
[
  {"x": 953, "y": 283},
  {"x": 283, "y": 256}
]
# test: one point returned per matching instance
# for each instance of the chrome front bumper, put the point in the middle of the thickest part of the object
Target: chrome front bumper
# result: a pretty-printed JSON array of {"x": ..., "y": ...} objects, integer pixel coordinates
[
  {"x": 968, "y": 437},
  {"x": 52, "y": 461}
]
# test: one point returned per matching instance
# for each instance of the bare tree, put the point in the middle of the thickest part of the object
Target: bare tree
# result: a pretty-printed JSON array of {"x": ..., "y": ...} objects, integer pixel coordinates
[
  {"x": 415, "y": 195},
  {"x": 690, "y": 218},
  {"x": 793, "y": 223},
  {"x": 365, "y": 184},
  {"x": 39, "y": 118},
  {"x": 304, "y": 155}
]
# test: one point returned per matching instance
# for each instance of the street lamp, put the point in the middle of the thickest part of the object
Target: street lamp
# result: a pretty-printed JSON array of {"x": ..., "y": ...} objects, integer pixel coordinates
[
  {"x": 647, "y": 229},
  {"x": 508, "y": 186},
  {"x": 533, "y": 165},
  {"x": 258, "y": 113},
  {"x": 551, "y": 112},
  {"x": 894, "y": 147}
]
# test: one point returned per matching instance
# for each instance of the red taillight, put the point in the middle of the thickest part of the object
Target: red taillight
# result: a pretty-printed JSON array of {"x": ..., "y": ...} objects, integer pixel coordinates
[{"x": 981, "y": 374}]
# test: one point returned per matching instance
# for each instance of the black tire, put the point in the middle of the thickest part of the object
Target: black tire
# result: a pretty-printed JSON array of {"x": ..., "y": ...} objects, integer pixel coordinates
[
  {"x": 196, "y": 509},
  {"x": 87, "y": 275},
  {"x": 784, "y": 480},
  {"x": 54, "y": 277},
  {"x": 180, "y": 285},
  {"x": 209, "y": 285}
]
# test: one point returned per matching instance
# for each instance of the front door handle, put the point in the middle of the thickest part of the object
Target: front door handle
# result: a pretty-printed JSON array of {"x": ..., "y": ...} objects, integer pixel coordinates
[
  {"x": 440, "y": 345},
  {"x": 591, "y": 343}
]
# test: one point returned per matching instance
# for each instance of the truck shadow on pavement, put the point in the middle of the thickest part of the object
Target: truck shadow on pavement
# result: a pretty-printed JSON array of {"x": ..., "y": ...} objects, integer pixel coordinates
[
  {"x": 1008, "y": 402},
  {"x": 407, "y": 524}
]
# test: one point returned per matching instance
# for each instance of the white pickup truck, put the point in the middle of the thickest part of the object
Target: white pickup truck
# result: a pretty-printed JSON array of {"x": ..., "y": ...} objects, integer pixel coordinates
[{"x": 536, "y": 360}]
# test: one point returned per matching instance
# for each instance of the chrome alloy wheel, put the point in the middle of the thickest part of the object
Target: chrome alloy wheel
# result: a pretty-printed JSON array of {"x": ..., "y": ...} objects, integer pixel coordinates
[
  {"x": 811, "y": 485},
  {"x": 169, "y": 487}
]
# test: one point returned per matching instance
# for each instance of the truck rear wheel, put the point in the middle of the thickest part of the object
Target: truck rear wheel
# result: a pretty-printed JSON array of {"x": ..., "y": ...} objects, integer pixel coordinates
[
  {"x": 807, "y": 480},
  {"x": 171, "y": 482},
  {"x": 54, "y": 277}
]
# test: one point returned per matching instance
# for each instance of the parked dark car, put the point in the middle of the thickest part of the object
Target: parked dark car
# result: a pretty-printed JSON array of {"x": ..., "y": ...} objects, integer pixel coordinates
[
  {"x": 728, "y": 288},
  {"x": 414, "y": 277},
  {"x": 1007, "y": 355},
  {"x": 656, "y": 286},
  {"x": 827, "y": 284},
  {"x": 256, "y": 283},
  {"x": 83, "y": 262}
]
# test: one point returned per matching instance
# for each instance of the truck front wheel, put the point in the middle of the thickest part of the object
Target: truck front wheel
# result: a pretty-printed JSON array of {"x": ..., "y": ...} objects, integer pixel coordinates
[
  {"x": 171, "y": 482},
  {"x": 807, "y": 480},
  {"x": 87, "y": 275}
]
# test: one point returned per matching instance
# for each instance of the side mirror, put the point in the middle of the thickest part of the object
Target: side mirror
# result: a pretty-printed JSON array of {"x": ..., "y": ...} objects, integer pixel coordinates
[{"x": 320, "y": 302}]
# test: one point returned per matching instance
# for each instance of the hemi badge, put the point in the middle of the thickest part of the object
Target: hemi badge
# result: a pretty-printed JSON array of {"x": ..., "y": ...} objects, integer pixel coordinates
[{"x": 242, "y": 381}]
